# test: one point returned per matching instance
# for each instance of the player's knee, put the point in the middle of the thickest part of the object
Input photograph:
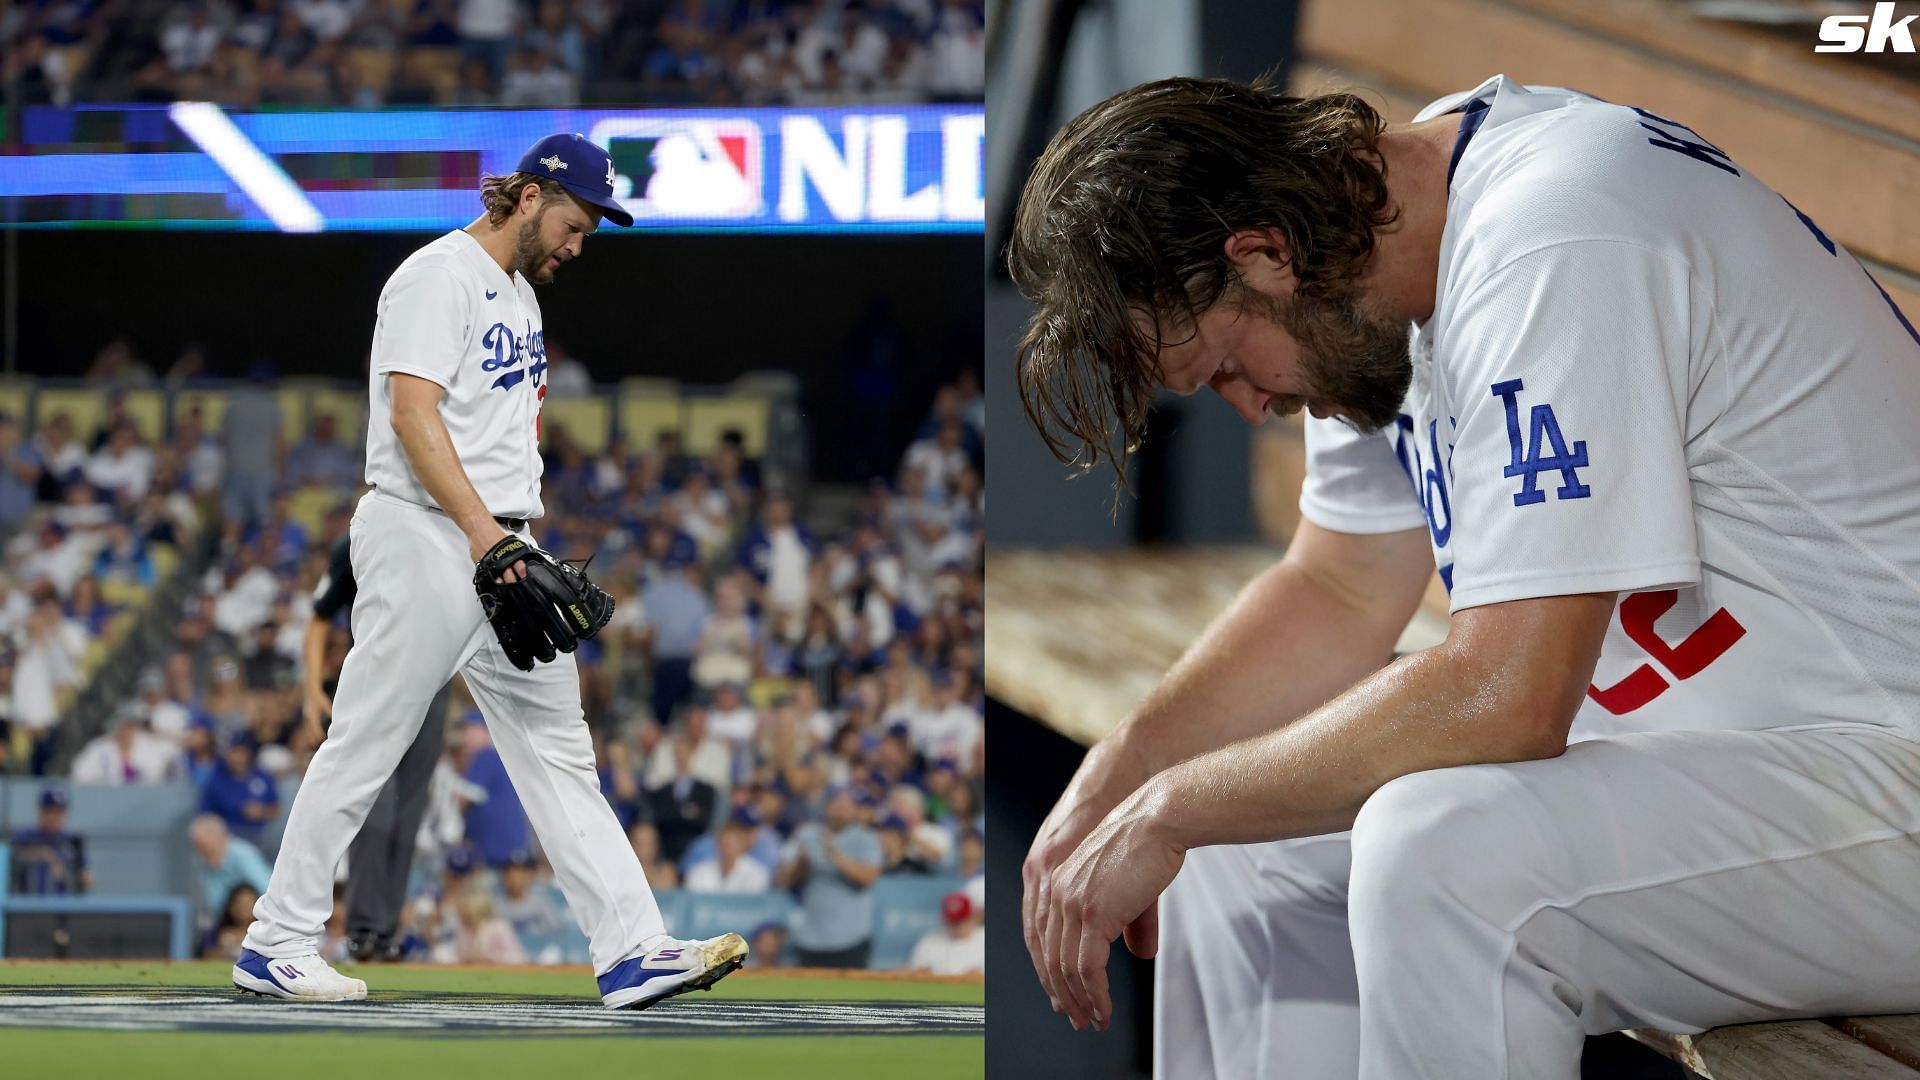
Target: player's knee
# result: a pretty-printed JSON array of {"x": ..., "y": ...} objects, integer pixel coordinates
[{"x": 1431, "y": 840}]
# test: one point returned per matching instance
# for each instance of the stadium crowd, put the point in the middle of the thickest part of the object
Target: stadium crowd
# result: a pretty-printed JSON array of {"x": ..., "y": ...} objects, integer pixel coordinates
[
  {"x": 770, "y": 705},
  {"x": 546, "y": 53}
]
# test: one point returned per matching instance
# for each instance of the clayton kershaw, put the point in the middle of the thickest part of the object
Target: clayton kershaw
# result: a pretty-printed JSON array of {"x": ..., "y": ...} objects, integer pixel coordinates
[
  {"x": 458, "y": 375},
  {"x": 1654, "y": 428}
]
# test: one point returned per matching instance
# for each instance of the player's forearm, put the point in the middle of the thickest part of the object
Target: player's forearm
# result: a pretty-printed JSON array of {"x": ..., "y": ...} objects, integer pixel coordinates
[
  {"x": 429, "y": 449},
  {"x": 1459, "y": 703},
  {"x": 1288, "y": 644},
  {"x": 313, "y": 656}
]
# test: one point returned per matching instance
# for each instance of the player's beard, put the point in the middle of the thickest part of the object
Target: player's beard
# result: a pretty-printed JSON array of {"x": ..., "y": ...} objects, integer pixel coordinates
[
  {"x": 1349, "y": 360},
  {"x": 529, "y": 255}
]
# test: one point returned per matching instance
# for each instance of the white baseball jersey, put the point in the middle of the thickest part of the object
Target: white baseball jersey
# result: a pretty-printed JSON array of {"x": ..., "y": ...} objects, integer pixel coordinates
[
  {"x": 449, "y": 314},
  {"x": 1647, "y": 372}
]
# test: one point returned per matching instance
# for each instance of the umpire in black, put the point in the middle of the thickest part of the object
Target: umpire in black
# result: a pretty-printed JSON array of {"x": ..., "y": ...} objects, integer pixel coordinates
[{"x": 382, "y": 855}]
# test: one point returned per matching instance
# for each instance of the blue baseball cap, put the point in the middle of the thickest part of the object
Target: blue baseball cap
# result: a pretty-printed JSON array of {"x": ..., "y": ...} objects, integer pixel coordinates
[
  {"x": 53, "y": 798},
  {"x": 581, "y": 167},
  {"x": 460, "y": 860}
]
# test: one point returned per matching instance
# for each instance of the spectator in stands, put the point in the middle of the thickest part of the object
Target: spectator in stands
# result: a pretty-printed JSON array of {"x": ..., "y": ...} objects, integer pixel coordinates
[
  {"x": 15, "y": 606},
  {"x": 48, "y": 860},
  {"x": 676, "y": 607},
  {"x": 683, "y": 808},
  {"x": 49, "y": 662},
  {"x": 731, "y": 718},
  {"x": 239, "y": 792},
  {"x": 254, "y": 449},
  {"x": 973, "y": 854},
  {"x": 129, "y": 754},
  {"x": 959, "y": 947},
  {"x": 226, "y": 862},
  {"x": 486, "y": 32},
  {"x": 779, "y": 553},
  {"x": 661, "y": 872},
  {"x": 19, "y": 475},
  {"x": 896, "y": 857},
  {"x": 321, "y": 458},
  {"x": 62, "y": 458},
  {"x": 123, "y": 468},
  {"x": 940, "y": 458},
  {"x": 704, "y": 511},
  {"x": 483, "y": 937},
  {"x": 222, "y": 940},
  {"x": 526, "y": 905},
  {"x": 246, "y": 594},
  {"x": 535, "y": 81},
  {"x": 928, "y": 844},
  {"x": 201, "y": 455},
  {"x": 198, "y": 759},
  {"x": 731, "y": 870},
  {"x": 124, "y": 558},
  {"x": 767, "y": 944},
  {"x": 709, "y": 759},
  {"x": 834, "y": 864},
  {"x": 944, "y": 726},
  {"x": 225, "y": 701},
  {"x": 496, "y": 823}
]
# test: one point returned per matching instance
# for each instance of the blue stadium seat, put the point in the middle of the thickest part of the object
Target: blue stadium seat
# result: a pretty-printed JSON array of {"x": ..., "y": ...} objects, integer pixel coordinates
[{"x": 705, "y": 915}]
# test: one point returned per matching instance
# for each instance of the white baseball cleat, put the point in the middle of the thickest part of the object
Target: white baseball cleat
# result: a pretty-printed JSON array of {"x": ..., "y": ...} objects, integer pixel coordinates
[
  {"x": 671, "y": 967},
  {"x": 296, "y": 978}
]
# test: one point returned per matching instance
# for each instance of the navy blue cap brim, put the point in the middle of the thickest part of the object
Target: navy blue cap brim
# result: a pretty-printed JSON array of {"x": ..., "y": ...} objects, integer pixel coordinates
[{"x": 604, "y": 203}]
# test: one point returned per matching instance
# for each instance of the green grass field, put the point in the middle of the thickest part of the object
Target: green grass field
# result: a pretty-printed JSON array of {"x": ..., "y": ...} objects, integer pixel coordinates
[{"x": 518, "y": 1049}]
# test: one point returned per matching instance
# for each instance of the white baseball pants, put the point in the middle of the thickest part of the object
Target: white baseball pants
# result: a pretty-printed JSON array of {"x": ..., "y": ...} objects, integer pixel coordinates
[
  {"x": 415, "y": 622},
  {"x": 1483, "y": 921}
]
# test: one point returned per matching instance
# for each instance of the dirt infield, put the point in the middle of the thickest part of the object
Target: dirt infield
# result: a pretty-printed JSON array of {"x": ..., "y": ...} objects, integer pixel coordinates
[{"x": 426, "y": 1013}]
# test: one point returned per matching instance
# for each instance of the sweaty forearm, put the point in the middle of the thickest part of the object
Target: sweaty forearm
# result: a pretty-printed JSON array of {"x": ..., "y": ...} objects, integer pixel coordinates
[
  {"x": 429, "y": 449},
  {"x": 1288, "y": 644},
  {"x": 1484, "y": 696}
]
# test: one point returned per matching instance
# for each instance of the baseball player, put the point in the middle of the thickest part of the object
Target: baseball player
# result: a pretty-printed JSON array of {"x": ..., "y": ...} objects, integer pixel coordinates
[
  {"x": 381, "y": 855},
  {"x": 452, "y": 457},
  {"x": 1655, "y": 429}
]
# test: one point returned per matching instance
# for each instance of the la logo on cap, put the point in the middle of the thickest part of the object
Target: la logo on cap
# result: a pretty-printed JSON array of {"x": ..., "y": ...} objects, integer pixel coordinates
[
  {"x": 554, "y": 162},
  {"x": 609, "y": 174}
]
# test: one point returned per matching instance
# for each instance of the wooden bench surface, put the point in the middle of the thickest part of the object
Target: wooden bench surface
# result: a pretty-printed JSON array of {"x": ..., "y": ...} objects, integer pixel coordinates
[{"x": 1077, "y": 638}]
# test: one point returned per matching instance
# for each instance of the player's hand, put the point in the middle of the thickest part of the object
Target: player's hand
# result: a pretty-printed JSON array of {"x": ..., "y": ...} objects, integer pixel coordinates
[
  {"x": 1110, "y": 883},
  {"x": 479, "y": 544},
  {"x": 1106, "y": 777}
]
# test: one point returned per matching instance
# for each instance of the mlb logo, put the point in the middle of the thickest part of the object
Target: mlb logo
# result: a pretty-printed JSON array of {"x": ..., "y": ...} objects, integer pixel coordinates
[{"x": 688, "y": 169}]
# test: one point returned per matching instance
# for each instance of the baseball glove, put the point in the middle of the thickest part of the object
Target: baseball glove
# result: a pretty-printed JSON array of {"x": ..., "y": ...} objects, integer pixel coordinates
[{"x": 550, "y": 609}]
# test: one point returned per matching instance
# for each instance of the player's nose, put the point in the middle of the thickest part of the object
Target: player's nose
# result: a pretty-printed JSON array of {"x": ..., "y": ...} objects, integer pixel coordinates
[{"x": 1249, "y": 402}]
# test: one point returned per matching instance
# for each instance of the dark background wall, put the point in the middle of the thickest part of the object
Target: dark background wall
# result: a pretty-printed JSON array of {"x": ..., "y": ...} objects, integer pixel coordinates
[{"x": 699, "y": 308}]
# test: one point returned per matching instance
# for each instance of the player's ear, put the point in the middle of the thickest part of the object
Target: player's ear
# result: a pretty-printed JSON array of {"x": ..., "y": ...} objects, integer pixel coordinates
[
  {"x": 530, "y": 196},
  {"x": 1263, "y": 259}
]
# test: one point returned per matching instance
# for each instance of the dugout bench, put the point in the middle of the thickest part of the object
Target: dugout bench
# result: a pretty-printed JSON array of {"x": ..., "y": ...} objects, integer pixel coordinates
[{"x": 1077, "y": 638}]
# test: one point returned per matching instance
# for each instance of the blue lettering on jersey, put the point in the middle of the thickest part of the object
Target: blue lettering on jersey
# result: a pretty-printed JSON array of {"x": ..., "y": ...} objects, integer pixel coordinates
[
  {"x": 1701, "y": 151},
  {"x": 1429, "y": 483},
  {"x": 537, "y": 348},
  {"x": 1544, "y": 434},
  {"x": 506, "y": 354}
]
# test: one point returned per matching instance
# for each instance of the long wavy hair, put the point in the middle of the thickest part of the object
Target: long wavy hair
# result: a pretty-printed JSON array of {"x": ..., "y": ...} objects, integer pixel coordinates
[
  {"x": 500, "y": 194},
  {"x": 1121, "y": 232}
]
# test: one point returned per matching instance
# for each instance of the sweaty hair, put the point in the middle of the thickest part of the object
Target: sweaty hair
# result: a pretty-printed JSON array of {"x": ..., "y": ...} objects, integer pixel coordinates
[
  {"x": 1126, "y": 217},
  {"x": 500, "y": 194}
]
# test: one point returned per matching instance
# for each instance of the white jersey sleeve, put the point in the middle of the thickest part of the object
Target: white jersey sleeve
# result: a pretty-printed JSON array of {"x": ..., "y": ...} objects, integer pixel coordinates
[
  {"x": 1354, "y": 483},
  {"x": 423, "y": 323},
  {"x": 1566, "y": 456}
]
